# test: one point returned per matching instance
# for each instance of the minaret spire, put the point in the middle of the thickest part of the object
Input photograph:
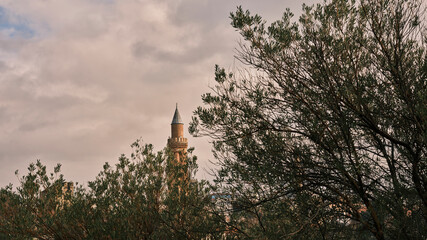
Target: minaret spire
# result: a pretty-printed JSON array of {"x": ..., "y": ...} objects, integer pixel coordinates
[
  {"x": 177, "y": 142},
  {"x": 177, "y": 117}
]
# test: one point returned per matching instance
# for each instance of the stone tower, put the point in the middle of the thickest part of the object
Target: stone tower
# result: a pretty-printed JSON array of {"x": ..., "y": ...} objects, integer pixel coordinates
[{"x": 177, "y": 142}]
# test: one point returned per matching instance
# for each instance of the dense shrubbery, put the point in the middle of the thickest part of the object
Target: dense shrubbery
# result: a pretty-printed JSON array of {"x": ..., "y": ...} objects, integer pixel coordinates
[{"x": 136, "y": 199}]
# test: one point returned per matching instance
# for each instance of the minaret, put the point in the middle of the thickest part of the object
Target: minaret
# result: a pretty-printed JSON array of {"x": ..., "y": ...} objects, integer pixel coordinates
[{"x": 177, "y": 143}]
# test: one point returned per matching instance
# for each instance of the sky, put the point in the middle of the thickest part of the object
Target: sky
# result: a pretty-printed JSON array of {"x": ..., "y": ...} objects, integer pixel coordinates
[{"x": 81, "y": 80}]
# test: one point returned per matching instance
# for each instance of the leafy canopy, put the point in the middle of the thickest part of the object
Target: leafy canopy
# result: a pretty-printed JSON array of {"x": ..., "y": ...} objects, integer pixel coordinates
[{"x": 323, "y": 134}]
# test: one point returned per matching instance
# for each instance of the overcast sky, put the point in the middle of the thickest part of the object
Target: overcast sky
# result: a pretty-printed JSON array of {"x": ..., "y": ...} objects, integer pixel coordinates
[{"x": 80, "y": 80}]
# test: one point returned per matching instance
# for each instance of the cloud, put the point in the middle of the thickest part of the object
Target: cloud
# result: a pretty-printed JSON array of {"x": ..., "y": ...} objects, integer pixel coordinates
[{"x": 81, "y": 80}]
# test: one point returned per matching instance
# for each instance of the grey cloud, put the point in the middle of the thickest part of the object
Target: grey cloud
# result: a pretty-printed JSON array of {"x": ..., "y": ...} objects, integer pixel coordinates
[
  {"x": 12, "y": 45},
  {"x": 211, "y": 43},
  {"x": 3, "y": 66},
  {"x": 32, "y": 126},
  {"x": 141, "y": 49},
  {"x": 100, "y": 74}
]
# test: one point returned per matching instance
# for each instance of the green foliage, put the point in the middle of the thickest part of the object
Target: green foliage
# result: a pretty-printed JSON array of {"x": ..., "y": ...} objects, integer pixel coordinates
[
  {"x": 146, "y": 196},
  {"x": 325, "y": 135}
]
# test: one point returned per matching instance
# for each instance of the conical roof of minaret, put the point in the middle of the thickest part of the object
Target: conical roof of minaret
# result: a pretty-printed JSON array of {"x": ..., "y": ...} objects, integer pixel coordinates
[{"x": 176, "y": 117}]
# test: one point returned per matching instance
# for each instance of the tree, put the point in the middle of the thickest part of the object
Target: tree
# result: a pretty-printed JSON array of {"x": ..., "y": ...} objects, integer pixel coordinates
[
  {"x": 133, "y": 200},
  {"x": 328, "y": 123}
]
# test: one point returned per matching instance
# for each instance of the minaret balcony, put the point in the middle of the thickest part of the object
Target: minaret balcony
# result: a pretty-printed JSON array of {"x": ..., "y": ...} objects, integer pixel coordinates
[{"x": 178, "y": 142}]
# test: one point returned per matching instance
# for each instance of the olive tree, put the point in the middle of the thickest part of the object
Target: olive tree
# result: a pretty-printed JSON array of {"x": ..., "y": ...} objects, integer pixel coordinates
[{"x": 323, "y": 134}]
